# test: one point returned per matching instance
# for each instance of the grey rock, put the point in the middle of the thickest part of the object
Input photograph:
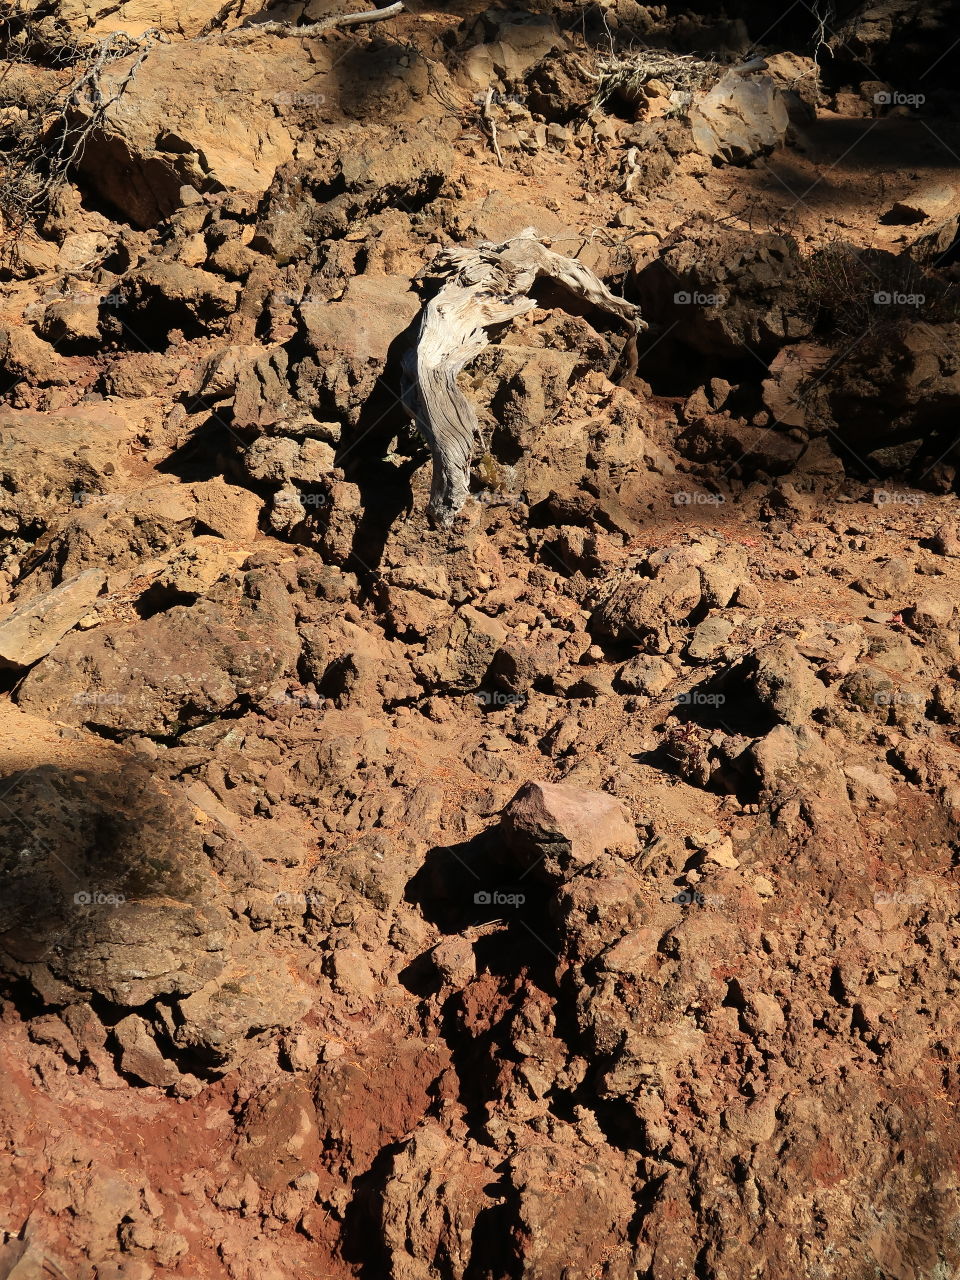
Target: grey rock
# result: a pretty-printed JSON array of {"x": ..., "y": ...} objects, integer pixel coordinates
[{"x": 741, "y": 117}]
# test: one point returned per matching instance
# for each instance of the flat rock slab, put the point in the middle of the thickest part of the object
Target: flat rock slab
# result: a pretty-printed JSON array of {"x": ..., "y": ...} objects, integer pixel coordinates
[{"x": 32, "y": 629}]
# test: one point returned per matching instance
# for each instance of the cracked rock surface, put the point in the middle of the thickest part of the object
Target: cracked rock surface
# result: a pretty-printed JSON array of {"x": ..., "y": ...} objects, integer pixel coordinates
[{"x": 570, "y": 893}]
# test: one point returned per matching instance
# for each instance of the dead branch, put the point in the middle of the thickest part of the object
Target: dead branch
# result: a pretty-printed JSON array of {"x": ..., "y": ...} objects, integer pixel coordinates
[
  {"x": 34, "y": 168},
  {"x": 485, "y": 286},
  {"x": 250, "y": 28},
  {"x": 492, "y": 125}
]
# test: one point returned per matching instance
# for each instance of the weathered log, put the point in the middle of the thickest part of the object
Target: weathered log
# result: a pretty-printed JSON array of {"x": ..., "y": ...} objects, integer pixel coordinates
[
  {"x": 488, "y": 285},
  {"x": 251, "y": 28}
]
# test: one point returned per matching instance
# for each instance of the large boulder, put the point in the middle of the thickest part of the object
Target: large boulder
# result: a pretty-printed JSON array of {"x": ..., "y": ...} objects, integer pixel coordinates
[
  {"x": 378, "y": 169},
  {"x": 510, "y": 45},
  {"x": 52, "y": 462},
  {"x": 176, "y": 668},
  {"x": 555, "y": 826},
  {"x": 197, "y": 115},
  {"x": 893, "y": 394},
  {"x": 570, "y": 1212},
  {"x": 161, "y": 295},
  {"x": 668, "y": 587},
  {"x": 225, "y": 1019},
  {"x": 430, "y": 1202},
  {"x": 349, "y": 340},
  {"x": 724, "y": 292},
  {"x": 105, "y": 886}
]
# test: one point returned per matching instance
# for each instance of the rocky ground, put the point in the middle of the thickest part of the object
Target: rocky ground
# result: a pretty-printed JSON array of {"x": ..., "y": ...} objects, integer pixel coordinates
[{"x": 567, "y": 894}]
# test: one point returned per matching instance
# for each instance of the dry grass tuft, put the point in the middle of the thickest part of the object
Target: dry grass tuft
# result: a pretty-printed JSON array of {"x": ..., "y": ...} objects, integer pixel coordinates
[{"x": 625, "y": 75}]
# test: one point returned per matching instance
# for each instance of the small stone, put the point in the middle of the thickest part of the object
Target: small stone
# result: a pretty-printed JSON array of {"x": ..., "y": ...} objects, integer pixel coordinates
[
  {"x": 785, "y": 683},
  {"x": 747, "y": 596},
  {"x": 288, "y": 1204},
  {"x": 170, "y": 1246},
  {"x": 139, "y": 1054},
  {"x": 313, "y": 1222},
  {"x": 629, "y": 216},
  {"x": 865, "y": 784},
  {"x": 646, "y": 674},
  {"x": 301, "y": 1052},
  {"x": 930, "y": 613},
  {"x": 454, "y": 961},
  {"x": 709, "y": 638},
  {"x": 595, "y": 684},
  {"x": 606, "y": 128}
]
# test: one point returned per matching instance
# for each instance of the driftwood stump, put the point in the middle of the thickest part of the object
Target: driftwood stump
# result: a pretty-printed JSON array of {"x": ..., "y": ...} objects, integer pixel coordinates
[{"x": 485, "y": 286}]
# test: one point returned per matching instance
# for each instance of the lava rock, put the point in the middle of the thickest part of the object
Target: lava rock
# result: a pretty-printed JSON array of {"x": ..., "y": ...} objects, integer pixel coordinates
[{"x": 553, "y": 827}]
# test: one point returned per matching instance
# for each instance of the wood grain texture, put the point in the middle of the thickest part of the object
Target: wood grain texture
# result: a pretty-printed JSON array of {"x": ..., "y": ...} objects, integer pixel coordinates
[{"x": 485, "y": 286}]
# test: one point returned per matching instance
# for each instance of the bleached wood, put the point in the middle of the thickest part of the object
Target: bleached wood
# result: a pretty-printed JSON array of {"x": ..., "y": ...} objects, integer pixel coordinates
[
  {"x": 488, "y": 285},
  {"x": 250, "y": 29}
]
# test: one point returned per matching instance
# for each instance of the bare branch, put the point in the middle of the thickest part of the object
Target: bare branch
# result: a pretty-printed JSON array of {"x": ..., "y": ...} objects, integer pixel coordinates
[
  {"x": 250, "y": 28},
  {"x": 41, "y": 150}
]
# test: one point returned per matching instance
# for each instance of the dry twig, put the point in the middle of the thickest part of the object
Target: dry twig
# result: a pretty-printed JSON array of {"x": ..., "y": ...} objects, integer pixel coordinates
[{"x": 47, "y": 141}]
